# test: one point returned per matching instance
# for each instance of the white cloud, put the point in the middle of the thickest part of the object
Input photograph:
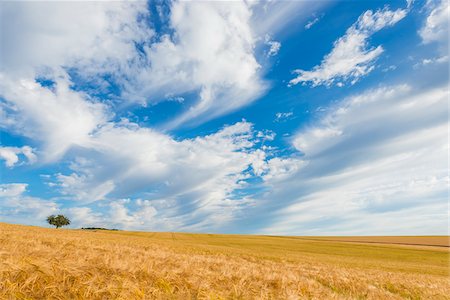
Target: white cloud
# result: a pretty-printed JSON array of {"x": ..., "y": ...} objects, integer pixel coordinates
[
  {"x": 274, "y": 46},
  {"x": 11, "y": 155},
  {"x": 311, "y": 23},
  {"x": 58, "y": 118},
  {"x": 90, "y": 35},
  {"x": 212, "y": 52},
  {"x": 83, "y": 187},
  {"x": 12, "y": 189},
  {"x": 86, "y": 217},
  {"x": 372, "y": 154},
  {"x": 436, "y": 24},
  {"x": 367, "y": 169},
  {"x": 47, "y": 38},
  {"x": 144, "y": 217},
  {"x": 278, "y": 169},
  {"x": 283, "y": 116},
  {"x": 202, "y": 175},
  {"x": 351, "y": 57},
  {"x": 274, "y": 17},
  {"x": 432, "y": 61},
  {"x": 16, "y": 207},
  {"x": 129, "y": 215},
  {"x": 390, "y": 68}
]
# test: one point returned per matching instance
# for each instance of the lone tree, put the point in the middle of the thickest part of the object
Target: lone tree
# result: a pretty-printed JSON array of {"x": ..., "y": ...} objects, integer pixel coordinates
[{"x": 58, "y": 220}]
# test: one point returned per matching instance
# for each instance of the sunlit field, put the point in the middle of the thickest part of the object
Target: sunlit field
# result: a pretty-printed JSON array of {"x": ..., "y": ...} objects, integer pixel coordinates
[{"x": 40, "y": 263}]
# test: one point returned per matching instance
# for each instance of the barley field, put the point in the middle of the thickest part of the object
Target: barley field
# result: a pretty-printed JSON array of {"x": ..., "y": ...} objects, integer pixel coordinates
[{"x": 41, "y": 263}]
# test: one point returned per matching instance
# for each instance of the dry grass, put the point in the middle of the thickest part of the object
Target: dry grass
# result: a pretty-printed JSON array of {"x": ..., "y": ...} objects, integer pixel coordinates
[
  {"x": 39, "y": 263},
  {"x": 438, "y": 241}
]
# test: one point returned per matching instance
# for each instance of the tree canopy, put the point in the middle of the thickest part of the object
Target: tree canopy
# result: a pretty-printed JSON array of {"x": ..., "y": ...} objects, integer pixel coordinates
[{"x": 58, "y": 221}]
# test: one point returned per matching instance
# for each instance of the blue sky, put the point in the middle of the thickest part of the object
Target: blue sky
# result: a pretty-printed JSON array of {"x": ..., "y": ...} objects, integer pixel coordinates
[{"x": 301, "y": 117}]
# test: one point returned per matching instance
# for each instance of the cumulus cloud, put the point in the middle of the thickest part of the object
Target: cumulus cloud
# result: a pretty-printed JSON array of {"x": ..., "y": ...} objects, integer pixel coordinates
[
  {"x": 212, "y": 52},
  {"x": 274, "y": 46},
  {"x": 86, "y": 217},
  {"x": 208, "y": 51},
  {"x": 11, "y": 155},
  {"x": 43, "y": 35},
  {"x": 277, "y": 169},
  {"x": 436, "y": 24},
  {"x": 368, "y": 169},
  {"x": 17, "y": 207},
  {"x": 12, "y": 189},
  {"x": 58, "y": 118},
  {"x": 129, "y": 214},
  {"x": 361, "y": 160},
  {"x": 351, "y": 57},
  {"x": 202, "y": 176}
]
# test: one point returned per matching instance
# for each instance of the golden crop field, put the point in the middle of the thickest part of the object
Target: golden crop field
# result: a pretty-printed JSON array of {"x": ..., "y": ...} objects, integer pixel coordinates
[{"x": 41, "y": 263}]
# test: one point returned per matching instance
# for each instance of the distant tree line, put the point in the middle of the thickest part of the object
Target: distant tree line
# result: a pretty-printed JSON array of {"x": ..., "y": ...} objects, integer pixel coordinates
[{"x": 97, "y": 228}]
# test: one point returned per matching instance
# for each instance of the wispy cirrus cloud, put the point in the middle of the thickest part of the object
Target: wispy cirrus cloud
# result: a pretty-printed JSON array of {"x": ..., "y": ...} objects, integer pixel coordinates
[
  {"x": 351, "y": 57},
  {"x": 368, "y": 161},
  {"x": 368, "y": 169},
  {"x": 283, "y": 116},
  {"x": 208, "y": 45},
  {"x": 201, "y": 176},
  {"x": 207, "y": 50},
  {"x": 212, "y": 56},
  {"x": 312, "y": 22}
]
